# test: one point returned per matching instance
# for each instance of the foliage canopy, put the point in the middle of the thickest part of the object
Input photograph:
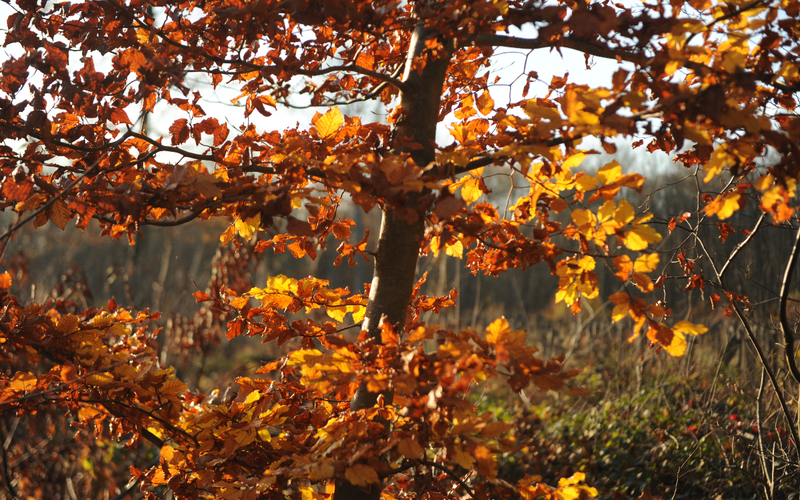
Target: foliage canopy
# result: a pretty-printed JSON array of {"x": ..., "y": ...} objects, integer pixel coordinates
[{"x": 712, "y": 83}]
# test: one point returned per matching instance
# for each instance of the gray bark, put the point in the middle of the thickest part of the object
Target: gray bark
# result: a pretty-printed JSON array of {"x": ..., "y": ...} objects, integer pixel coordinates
[{"x": 399, "y": 240}]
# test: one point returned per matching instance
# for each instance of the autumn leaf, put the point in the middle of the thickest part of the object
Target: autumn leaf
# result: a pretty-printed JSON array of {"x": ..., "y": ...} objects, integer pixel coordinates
[
  {"x": 100, "y": 379},
  {"x": 179, "y": 130},
  {"x": 688, "y": 328},
  {"x": 22, "y": 381},
  {"x": 361, "y": 475},
  {"x": 725, "y": 205},
  {"x": 640, "y": 237},
  {"x": 59, "y": 213},
  {"x": 410, "y": 448},
  {"x": 674, "y": 342},
  {"x": 328, "y": 124},
  {"x": 646, "y": 263},
  {"x": 5, "y": 281},
  {"x": 485, "y": 103},
  {"x": 624, "y": 267},
  {"x": 471, "y": 190}
]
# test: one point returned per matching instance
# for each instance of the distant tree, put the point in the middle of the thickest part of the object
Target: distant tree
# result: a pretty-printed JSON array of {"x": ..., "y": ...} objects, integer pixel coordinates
[{"x": 713, "y": 82}]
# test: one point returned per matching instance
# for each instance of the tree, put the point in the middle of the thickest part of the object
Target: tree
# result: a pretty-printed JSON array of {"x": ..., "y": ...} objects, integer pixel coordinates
[{"x": 714, "y": 83}]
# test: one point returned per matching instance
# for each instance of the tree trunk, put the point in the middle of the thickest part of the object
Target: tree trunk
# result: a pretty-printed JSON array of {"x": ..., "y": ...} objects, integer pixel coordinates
[{"x": 399, "y": 240}]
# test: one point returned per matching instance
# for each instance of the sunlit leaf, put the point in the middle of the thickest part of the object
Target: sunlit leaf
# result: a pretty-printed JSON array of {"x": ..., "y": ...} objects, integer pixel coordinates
[{"x": 328, "y": 124}]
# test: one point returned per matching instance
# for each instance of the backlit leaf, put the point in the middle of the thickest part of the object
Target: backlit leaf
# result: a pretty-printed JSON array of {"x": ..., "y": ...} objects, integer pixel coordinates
[
  {"x": 688, "y": 328},
  {"x": 485, "y": 103},
  {"x": 328, "y": 124},
  {"x": 640, "y": 237},
  {"x": 361, "y": 475}
]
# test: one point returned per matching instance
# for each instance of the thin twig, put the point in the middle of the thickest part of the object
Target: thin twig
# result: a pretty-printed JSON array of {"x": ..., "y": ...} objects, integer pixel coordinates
[
  {"x": 452, "y": 475},
  {"x": 786, "y": 329},
  {"x": 762, "y": 358},
  {"x": 741, "y": 245},
  {"x": 762, "y": 450},
  {"x": 6, "y": 474}
]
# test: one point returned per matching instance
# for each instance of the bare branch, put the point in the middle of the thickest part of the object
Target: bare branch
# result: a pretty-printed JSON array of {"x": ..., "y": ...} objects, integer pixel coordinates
[
  {"x": 452, "y": 475},
  {"x": 786, "y": 328},
  {"x": 741, "y": 245},
  {"x": 762, "y": 357}
]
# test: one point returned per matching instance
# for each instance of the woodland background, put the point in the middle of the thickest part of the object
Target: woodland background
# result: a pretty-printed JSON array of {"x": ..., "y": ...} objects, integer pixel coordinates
[{"x": 650, "y": 424}]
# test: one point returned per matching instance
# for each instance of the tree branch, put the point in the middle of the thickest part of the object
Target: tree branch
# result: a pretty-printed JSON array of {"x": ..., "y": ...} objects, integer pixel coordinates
[
  {"x": 354, "y": 68},
  {"x": 67, "y": 384},
  {"x": 452, "y": 475},
  {"x": 786, "y": 329},
  {"x": 741, "y": 245},
  {"x": 605, "y": 52},
  {"x": 762, "y": 357}
]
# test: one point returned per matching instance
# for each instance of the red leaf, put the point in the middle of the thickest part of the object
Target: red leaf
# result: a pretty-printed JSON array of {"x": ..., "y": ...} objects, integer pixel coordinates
[{"x": 179, "y": 130}]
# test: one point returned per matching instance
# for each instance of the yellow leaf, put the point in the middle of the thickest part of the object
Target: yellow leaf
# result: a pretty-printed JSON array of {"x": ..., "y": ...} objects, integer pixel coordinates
[
  {"x": 724, "y": 205},
  {"x": 455, "y": 250},
  {"x": 719, "y": 160},
  {"x": 87, "y": 412},
  {"x": 361, "y": 475},
  {"x": 228, "y": 235},
  {"x": 764, "y": 182},
  {"x": 672, "y": 341},
  {"x": 463, "y": 133},
  {"x": 100, "y": 379},
  {"x": 265, "y": 435},
  {"x": 328, "y": 124},
  {"x": 281, "y": 283},
  {"x": 252, "y": 397},
  {"x": 304, "y": 357},
  {"x": 672, "y": 67},
  {"x": 640, "y": 236},
  {"x": 609, "y": 173},
  {"x": 246, "y": 228},
  {"x": 620, "y": 311},
  {"x": 496, "y": 330},
  {"x": 574, "y": 160},
  {"x": 646, "y": 263},
  {"x": 585, "y": 183},
  {"x": 471, "y": 190},
  {"x": 624, "y": 213},
  {"x": 569, "y": 489},
  {"x": 23, "y": 381},
  {"x": 582, "y": 217},
  {"x": 688, "y": 328},
  {"x": 410, "y": 448}
]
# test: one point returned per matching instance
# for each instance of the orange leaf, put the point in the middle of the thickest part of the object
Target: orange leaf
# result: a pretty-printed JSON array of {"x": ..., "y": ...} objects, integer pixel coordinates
[
  {"x": 410, "y": 448},
  {"x": 23, "y": 381},
  {"x": 361, "y": 475},
  {"x": 59, "y": 214},
  {"x": 179, "y": 130},
  {"x": 724, "y": 205},
  {"x": 5, "y": 281},
  {"x": 485, "y": 103},
  {"x": 624, "y": 265}
]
